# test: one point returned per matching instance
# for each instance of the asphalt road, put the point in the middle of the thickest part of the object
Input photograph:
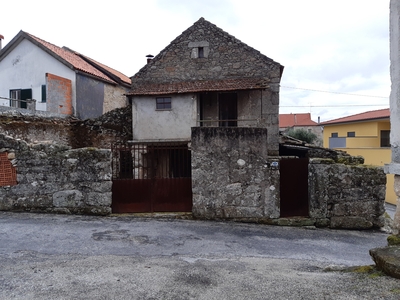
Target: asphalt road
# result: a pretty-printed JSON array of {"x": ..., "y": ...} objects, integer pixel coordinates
[{"x": 44, "y": 256}]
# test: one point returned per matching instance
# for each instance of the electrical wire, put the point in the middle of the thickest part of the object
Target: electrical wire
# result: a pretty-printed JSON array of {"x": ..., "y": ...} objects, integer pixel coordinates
[
  {"x": 344, "y": 105},
  {"x": 313, "y": 90}
]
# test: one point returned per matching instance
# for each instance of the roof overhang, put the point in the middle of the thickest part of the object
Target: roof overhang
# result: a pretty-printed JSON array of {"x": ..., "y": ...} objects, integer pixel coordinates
[{"x": 149, "y": 88}]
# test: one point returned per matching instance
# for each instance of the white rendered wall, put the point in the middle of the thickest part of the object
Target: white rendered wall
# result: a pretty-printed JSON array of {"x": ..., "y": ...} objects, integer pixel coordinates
[
  {"x": 25, "y": 67},
  {"x": 153, "y": 125}
]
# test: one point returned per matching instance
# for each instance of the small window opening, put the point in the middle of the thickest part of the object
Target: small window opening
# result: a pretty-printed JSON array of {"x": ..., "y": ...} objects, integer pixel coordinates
[
  {"x": 385, "y": 138},
  {"x": 201, "y": 52},
  {"x": 44, "y": 98},
  {"x": 163, "y": 103},
  {"x": 334, "y": 134},
  {"x": 351, "y": 134}
]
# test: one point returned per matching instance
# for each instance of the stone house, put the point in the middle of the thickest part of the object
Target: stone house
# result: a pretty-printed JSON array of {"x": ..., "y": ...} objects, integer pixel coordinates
[
  {"x": 62, "y": 81},
  {"x": 205, "y": 77},
  {"x": 205, "y": 128}
]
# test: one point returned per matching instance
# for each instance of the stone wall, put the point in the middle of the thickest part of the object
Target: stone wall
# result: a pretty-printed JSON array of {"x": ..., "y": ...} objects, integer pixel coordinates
[
  {"x": 231, "y": 174},
  {"x": 224, "y": 57},
  {"x": 36, "y": 128},
  {"x": 54, "y": 178},
  {"x": 114, "y": 97},
  {"x": 234, "y": 178},
  {"x": 346, "y": 196}
]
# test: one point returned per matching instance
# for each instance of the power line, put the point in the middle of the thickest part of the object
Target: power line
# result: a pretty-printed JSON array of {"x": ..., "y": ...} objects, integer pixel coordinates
[
  {"x": 344, "y": 105},
  {"x": 291, "y": 87}
]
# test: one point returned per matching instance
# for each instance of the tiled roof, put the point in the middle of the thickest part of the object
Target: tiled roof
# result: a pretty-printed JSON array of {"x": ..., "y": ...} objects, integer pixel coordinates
[
  {"x": 114, "y": 72},
  {"x": 199, "y": 86},
  {"x": 73, "y": 59},
  {"x": 369, "y": 115},
  {"x": 290, "y": 120}
]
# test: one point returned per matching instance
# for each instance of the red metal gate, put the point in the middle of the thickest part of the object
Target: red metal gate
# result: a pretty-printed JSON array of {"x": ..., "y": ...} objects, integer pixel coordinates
[
  {"x": 294, "y": 187},
  {"x": 151, "y": 177}
]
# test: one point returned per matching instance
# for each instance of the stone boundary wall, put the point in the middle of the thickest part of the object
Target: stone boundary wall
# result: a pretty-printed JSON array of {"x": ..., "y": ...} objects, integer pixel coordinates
[
  {"x": 54, "y": 178},
  {"x": 233, "y": 178},
  {"x": 231, "y": 174},
  {"x": 100, "y": 132},
  {"x": 346, "y": 196}
]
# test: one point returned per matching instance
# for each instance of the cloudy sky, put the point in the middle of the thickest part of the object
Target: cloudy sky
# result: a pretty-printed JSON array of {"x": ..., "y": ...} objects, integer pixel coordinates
[{"x": 335, "y": 53}]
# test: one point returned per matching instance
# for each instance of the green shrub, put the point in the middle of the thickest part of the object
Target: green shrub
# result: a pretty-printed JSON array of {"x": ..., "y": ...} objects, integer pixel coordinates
[{"x": 302, "y": 135}]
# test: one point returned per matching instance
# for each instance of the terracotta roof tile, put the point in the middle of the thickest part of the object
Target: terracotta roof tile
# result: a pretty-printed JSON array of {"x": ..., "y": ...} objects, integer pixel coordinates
[
  {"x": 199, "y": 86},
  {"x": 116, "y": 73},
  {"x": 369, "y": 115},
  {"x": 70, "y": 57},
  {"x": 290, "y": 120}
]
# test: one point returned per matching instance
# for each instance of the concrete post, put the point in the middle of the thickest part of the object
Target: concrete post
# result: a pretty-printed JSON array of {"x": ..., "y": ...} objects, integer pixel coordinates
[{"x": 394, "y": 166}]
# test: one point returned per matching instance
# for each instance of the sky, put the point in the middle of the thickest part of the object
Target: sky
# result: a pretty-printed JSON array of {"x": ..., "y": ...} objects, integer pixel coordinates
[{"x": 335, "y": 53}]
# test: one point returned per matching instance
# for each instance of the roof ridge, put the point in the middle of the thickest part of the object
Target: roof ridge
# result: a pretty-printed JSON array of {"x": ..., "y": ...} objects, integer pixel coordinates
[
  {"x": 188, "y": 30},
  {"x": 70, "y": 60},
  {"x": 337, "y": 120},
  {"x": 119, "y": 74}
]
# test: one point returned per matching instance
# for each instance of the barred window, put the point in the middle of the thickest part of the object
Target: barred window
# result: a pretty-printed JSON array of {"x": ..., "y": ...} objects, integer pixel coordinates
[{"x": 163, "y": 103}]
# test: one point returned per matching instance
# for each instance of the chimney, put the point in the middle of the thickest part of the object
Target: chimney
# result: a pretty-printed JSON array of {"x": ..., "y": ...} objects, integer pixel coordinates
[
  {"x": 1, "y": 38},
  {"x": 149, "y": 58},
  {"x": 319, "y": 119}
]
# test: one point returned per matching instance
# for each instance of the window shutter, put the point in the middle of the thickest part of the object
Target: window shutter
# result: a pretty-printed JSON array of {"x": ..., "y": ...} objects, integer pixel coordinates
[
  {"x": 25, "y": 94},
  {"x": 44, "y": 98}
]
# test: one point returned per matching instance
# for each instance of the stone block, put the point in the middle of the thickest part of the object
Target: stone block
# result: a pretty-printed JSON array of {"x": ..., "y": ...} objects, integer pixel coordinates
[
  {"x": 350, "y": 222},
  {"x": 68, "y": 198},
  {"x": 98, "y": 199},
  {"x": 387, "y": 259}
]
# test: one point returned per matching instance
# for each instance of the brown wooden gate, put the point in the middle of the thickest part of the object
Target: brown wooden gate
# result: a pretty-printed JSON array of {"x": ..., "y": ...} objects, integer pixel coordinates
[
  {"x": 294, "y": 187},
  {"x": 151, "y": 177}
]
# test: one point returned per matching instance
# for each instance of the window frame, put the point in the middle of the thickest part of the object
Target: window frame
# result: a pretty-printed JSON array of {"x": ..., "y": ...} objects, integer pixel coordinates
[
  {"x": 20, "y": 95},
  {"x": 385, "y": 141},
  {"x": 44, "y": 93},
  {"x": 351, "y": 134},
  {"x": 163, "y": 103},
  {"x": 334, "y": 134},
  {"x": 200, "y": 52}
]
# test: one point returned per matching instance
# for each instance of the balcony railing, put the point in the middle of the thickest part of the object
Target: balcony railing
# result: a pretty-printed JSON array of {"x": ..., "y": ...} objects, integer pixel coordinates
[{"x": 29, "y": 104}]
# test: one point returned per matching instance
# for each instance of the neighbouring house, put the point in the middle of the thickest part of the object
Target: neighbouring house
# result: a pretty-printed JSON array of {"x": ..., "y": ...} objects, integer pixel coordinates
[
  {"x": 366, "y": 134},
  {"x": 62, "y": 81},
  {"x": 300, "y": 121}
]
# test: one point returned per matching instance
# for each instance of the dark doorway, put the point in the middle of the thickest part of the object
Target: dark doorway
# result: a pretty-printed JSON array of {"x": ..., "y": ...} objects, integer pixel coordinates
[
  {"x": 294, "y": 187},
  {"x": 227, "y": 109}
]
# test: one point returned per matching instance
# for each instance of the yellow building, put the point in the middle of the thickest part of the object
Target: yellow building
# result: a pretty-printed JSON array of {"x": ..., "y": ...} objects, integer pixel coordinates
[{"x": 366, "y": 134}]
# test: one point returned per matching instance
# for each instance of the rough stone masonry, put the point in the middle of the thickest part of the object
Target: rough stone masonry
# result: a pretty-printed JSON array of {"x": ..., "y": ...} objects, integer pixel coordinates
[
  {"x": 55, "y": 178},
  {"x": 234, "y": 178}
]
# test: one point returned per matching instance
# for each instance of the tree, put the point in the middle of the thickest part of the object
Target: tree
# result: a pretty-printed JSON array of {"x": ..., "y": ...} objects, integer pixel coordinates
[{"x": 302, "y": 135}]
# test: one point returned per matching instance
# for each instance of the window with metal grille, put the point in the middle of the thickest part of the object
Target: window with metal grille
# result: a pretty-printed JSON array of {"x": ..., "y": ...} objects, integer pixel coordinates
[
  {"x": 351, "y": 134},
  {"x": 163, "y": 103}
]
